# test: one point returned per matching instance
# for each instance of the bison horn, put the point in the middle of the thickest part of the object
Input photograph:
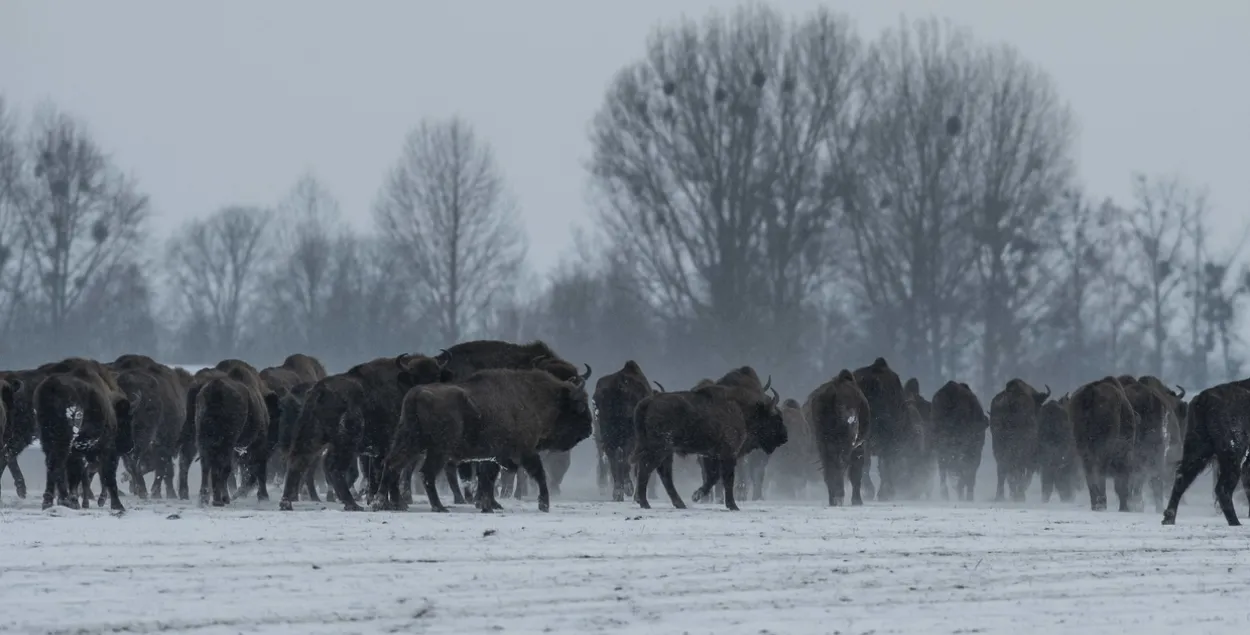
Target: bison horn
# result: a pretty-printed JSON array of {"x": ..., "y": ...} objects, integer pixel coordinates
[
  {"x": 776, "y": 397},
  {"x": 444, "y": 355},
  {"x": 400, "y": 359},
  {"x": 768, "y": 384},
  {"x": 1047, "y": 392},
  {"x": 538, "y": 359},
  {"x": 586, "y": 377},
  {"x": 659, "y": 385},
  {"x": 1182, "y": 393}
]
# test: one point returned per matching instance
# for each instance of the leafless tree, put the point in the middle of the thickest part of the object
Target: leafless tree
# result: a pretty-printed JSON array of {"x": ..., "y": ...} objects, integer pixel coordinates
[
  {"x": 713, "y": 158},
  {"x": 1163, "y": 214},
  {"x": 13, "y": 255},
  {"x": 446, "y": 211},
  {"x": 81, "y": 217},
  {"x": 215, "y": 265},
  {"x": 298, "y": 286}
]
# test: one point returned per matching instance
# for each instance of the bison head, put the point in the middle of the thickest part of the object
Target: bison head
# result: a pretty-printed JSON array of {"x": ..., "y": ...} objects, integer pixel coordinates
[
  {"x": 574, "y": 423},
  {"x": 415, "y": 370},
  {"x": 767, "y": 424}
]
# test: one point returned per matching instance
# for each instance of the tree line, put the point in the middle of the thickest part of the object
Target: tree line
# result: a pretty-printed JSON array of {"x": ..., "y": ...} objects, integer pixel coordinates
[{"x": 768, "y": 190}]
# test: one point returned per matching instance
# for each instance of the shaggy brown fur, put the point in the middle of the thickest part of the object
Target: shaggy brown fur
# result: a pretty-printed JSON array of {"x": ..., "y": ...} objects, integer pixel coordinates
[
  {"x": 959, "y": 425},
  {"x": 1105, "y": 427},
  {"x": 1013, "y": 436},
  {"x": 840, "y": 423}
]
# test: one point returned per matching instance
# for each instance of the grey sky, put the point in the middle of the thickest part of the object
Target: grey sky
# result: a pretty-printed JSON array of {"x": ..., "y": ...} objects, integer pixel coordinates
[{"x": 228, "y": 102}]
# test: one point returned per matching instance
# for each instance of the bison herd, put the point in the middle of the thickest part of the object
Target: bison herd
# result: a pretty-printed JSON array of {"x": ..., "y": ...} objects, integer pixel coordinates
[{"x": 485, "y": 415}]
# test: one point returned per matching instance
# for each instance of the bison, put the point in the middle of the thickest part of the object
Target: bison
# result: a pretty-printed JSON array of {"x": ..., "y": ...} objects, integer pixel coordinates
[
  {"x": 1150, "y": 444},
  {"x": 721, "y": 422},
  {"x": 158, "y": 414},
  {"x": 839, "y": 421},
  {"x": 884, "y": 391},
  {"x": 1056, "y": 452},
  {"x": 1013, "y": 436},
  {"x": 234, "y": 414},
  {"x": 794, "y": 464},
  {"x": 21, "y": 429},
  {"x": 498, "y": 416},
  {"x": 959, "y": 425},
  {"x": 616, "y": 396},
  {"x": 8, "y": 392},
  {"x": 1218, "y": 429},
  {"x": 84, "y": 425},
  {"x": 1104, "y": 425}
]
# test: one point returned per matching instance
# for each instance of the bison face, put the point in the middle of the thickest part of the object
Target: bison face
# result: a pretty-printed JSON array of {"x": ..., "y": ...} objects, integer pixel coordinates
[
  {"x": 8, "y": 392},
  {"x": 575, "y": 422},
  {"x": 415, "y": 370},
  {"x": 769, "y": 425}
]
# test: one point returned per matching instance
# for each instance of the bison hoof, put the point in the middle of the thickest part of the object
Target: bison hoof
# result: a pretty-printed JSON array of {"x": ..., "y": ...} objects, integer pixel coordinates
[
  {"x": 487, "y": 509},
  {"x": 285, "y": 505},
  {"x": 544, "y": 507},
  {"x": 698, "y": 496},
  {"x": 46, "y": 504},
  {"x": 1169, "y": 518},
  {"x": 118, "y": 507},
  {"x": 352, "y": 507},
  {"x": 439, "y": 509},
  {"x": 644, "y": 504},
  {"x": 100, "y": 501},
  {"x": 21, "y": 489},
  {"x": 618, "y": 496},
  {"x": 732, "y": 507}
]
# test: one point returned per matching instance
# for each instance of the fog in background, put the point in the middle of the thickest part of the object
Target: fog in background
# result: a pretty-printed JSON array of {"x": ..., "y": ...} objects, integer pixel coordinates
[{"x": 972, "y": 190}]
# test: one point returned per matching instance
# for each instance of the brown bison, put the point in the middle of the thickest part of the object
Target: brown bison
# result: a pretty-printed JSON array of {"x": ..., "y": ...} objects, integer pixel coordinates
[
  {"x": 721, "y": 422},
  {"x": 22, "y": 429},
  {"x": 1178, "y": 414},
  {"x": 796, "y": 463},
  {"x": 1105, "y": 427},
  {"x": 839, "y": 423},
  {"x": 1150, "y": 444},
  {"x": 84, "y": 426},
  {"x": 158, "y": 413},
  {"x": 884, "y": 391},
  {"x": 230, "y": 411},
  {"x": 499, "y": 416},
  {"x": 1013, "y": 436},
  {"x": 8, "y": 392},
  {"x": 1056, "y": 452},
  {"x": 1218, "y": 429},
  {"x": 959, "y": 425},
  {"x": 354, "y": 412}
]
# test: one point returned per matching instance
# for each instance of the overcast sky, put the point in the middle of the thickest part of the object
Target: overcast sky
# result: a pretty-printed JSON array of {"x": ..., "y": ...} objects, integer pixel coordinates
[{"x": 212, "y": 103}]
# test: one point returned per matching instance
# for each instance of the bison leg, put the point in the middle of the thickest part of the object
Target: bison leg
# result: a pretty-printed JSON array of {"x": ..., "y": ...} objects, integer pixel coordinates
[
  {"x": 506, "y": 485},
  {"x": 727, "y": 468},
  {"x": 434, "y": 463},
  {"x": 666, "y": 477},
  {"x": 310, "y": 481},
  {"x": 108, "y": 482},
  {"x": 451, "y": 471},
  {"x": 645, "y": 467},
  {"x": 618, "y": 470},
  {"x": 184, "y": 471},
  {"x": 533, "y": 465},
  {"x": 605, "y": 472},
  {"x": 57, "y": 484},
  {"x": 1228, "y": 474},
  {"x": 859, "y": 456},
  {"x": 522, "y": 488},
  {"x": 206, "y": 481},
  {"x": 1048, "y": 481},
  {"x": 1002, "y": 469},
  {"x": 138, "y": 486},
  {"x": 866, "y": 476},
  {"x": 259, "y": 474},
  {"x": 19, "y": 480},
  {"x": 487, "y": 475},
  {"x": 711, "y": 471},
  {"x": 338, "y": 465},
  {"x": 405, "y": 482},
  {"x": 559, "y": 463}
]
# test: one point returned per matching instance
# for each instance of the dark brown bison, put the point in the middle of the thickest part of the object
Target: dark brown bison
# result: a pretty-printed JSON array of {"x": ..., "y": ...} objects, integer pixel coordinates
[
  {"x": 8, "y": 391},
  {"x": 466, "y": 358},
  {"x": 22, "y": 428},
  {"x": 1150, "y": 443},
  {"x": 158, "y": 412},
  {"x": 234, "y": 417},
  {"x": 84, "y": 426},
  {"x": 749, "y": 465},
  {"x": 1105, "y": 426},
  {"x": 1013, "y": 436},
  {"x": 840, "y": 424},
  {"x": 1218, "y": 429},
  {"x": 616, "y": 396},
  {"x": 884, "y": 391},
  {"x": 721, "y": 422},
  {"x": 498, "y": 416},
  {"x": 796, "y": 463},
  {"x": 1178, "y": 414},
  {"x": 1057, "y": 460},
  {"x": 959, "y": 425},
  {"x": 354, "y": 412}
]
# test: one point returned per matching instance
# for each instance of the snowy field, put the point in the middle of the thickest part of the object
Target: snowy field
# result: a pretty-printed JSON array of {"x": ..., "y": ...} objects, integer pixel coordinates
[{"x": 600, "y": 567}]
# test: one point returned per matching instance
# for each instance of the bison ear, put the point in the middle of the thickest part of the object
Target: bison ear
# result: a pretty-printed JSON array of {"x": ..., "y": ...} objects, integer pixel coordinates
[
  {"x": 124, "y": 442},
  {"x": 445, "y": 376}
]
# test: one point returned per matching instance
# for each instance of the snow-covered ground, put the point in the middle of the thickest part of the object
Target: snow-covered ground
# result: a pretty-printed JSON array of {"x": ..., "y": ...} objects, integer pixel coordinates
[{"x": 600, "y": 567}]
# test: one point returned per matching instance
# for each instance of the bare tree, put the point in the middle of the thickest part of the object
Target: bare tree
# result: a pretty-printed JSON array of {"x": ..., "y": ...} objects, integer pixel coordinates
[
  {"x": 81, "y": 217},
  {"x": 446, "y": 211},
  {"x": 299, "y": 284},
  {"x": 1163, "y": 215},
  {"x": 712, "y": 158},
  {"x": 215, "y": 265},
  {"x": 13, "y": 254}
]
